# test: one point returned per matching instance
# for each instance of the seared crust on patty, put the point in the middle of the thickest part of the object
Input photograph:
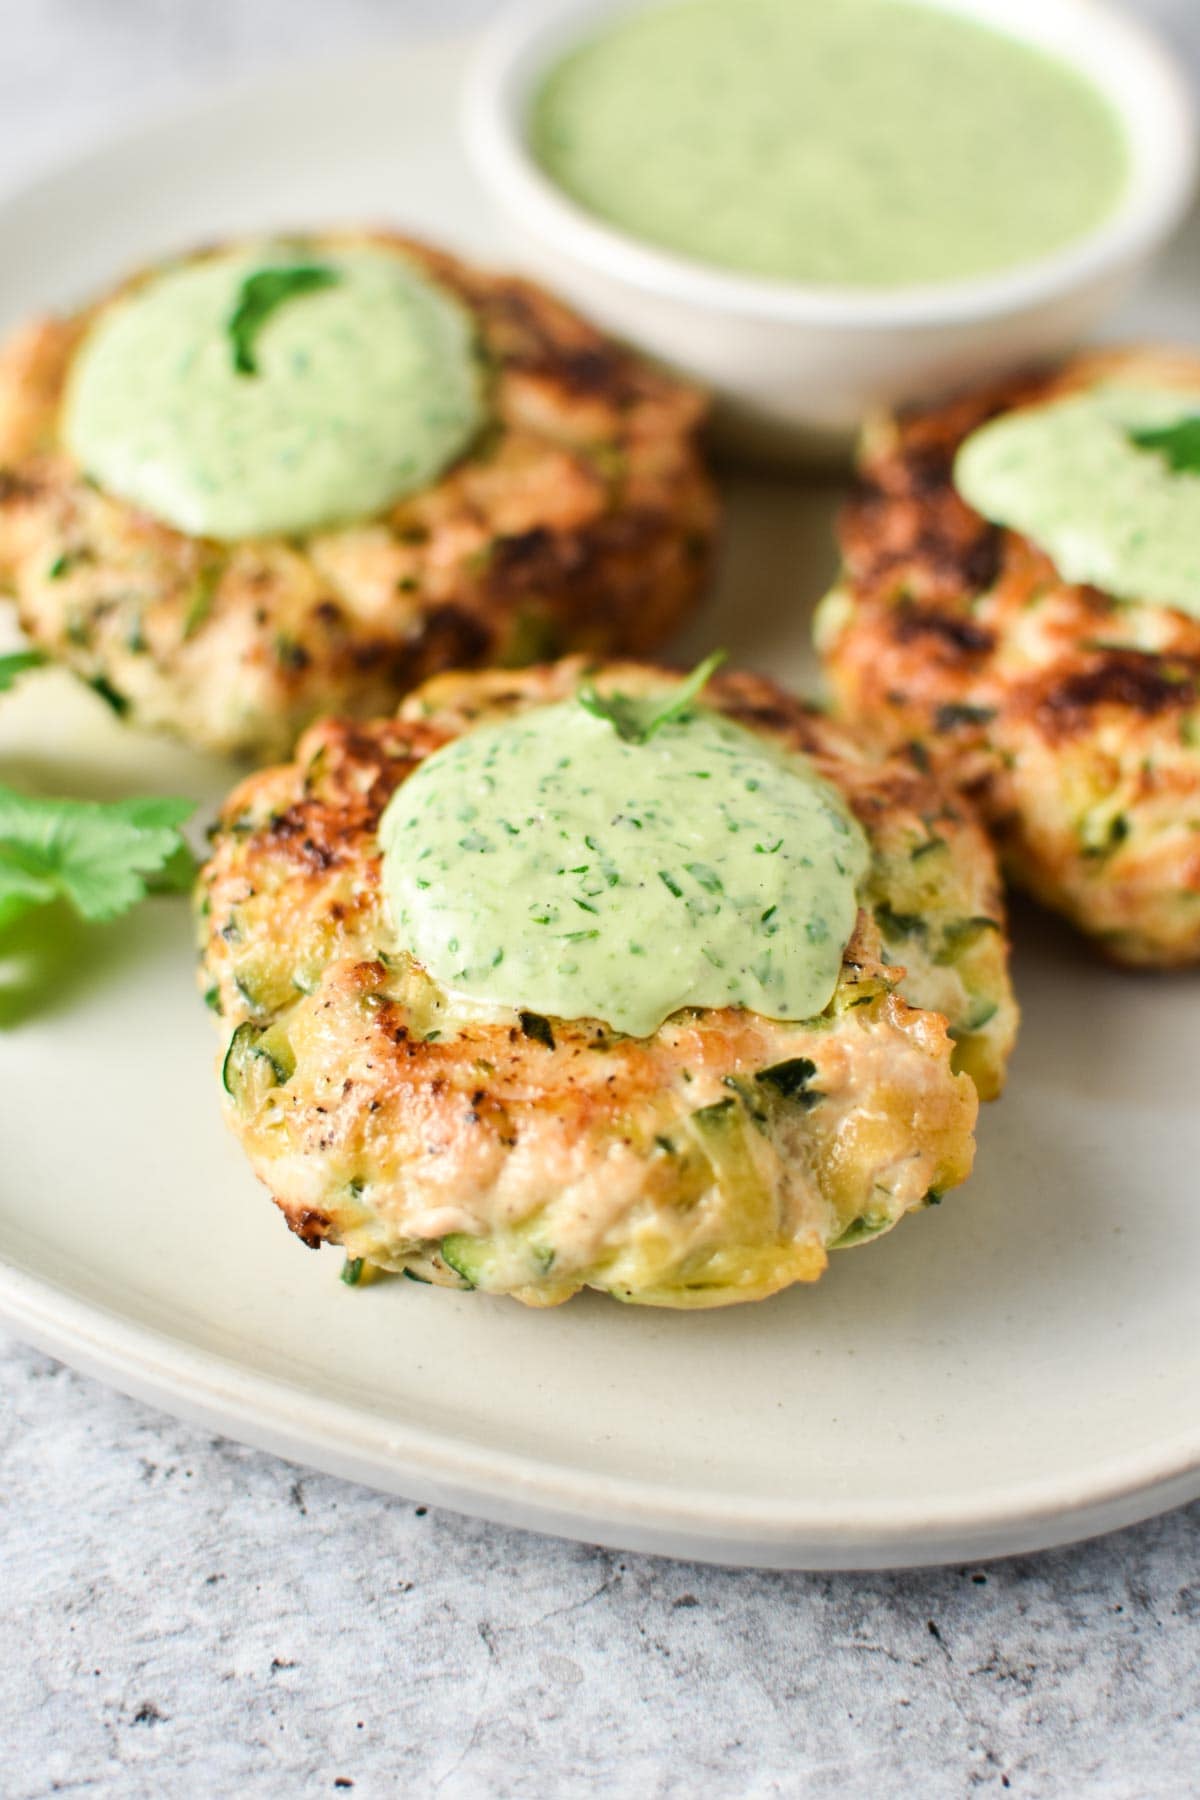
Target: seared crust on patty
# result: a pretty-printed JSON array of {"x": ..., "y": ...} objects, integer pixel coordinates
[
  {"x": 581, "y": 519},
  {"x": 1071, "y": 717},
  {"x": 712, "y": 1162}
]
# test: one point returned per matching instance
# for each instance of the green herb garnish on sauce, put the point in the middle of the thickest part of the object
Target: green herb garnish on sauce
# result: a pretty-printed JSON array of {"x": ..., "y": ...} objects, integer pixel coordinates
[
  {"x": 636, "y": 720},
  {"x": 1178, "y": 444},
  {"x": 262, "y": 294}
]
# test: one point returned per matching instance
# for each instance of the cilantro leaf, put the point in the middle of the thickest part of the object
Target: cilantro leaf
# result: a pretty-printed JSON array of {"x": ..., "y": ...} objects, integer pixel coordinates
[
  {"x": 18, "y": 663},
  {"x": 101, "y": 858},
  {"x": 637, "y": 720},
  {"x": 261, "y": 293},
  {"x": 1178, "y": 444}
]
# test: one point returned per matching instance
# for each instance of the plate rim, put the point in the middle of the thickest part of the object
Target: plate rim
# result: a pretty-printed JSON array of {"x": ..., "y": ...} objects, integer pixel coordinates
[
  {"x": 207, "y": 1388},
  {"x": 216, "y": 1391}
]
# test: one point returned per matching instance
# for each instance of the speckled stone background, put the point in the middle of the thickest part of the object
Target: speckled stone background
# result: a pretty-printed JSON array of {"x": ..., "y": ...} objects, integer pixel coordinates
[{"x": 181, "y": 1616}]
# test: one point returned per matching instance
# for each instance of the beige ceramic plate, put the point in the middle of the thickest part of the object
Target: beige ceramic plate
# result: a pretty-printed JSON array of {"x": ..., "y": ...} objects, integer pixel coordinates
[{"x": 1013, "y": 1369}]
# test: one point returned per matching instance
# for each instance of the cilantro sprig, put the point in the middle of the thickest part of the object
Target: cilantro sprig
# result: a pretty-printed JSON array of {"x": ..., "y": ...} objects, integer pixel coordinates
[
  {"x": 262, "y": 294},
  {"x": 1178, "y": 443},
  {"x": 96, "y": 858},
  {"x": 636, "y": 720},
  {"x": 18, "y": 663},
  {"x": 100, "y": 857}
]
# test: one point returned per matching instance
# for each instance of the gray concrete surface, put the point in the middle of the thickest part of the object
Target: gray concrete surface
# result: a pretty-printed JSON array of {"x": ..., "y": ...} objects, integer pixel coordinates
[{"x": 181, "y": 1616}]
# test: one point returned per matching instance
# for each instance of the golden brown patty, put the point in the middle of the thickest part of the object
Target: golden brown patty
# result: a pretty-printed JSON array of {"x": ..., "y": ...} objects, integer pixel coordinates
[
  {"x": 714, "y": 1161},
  {"x": 581, "y": 519},
  {"x": 1071, "y": 717}
]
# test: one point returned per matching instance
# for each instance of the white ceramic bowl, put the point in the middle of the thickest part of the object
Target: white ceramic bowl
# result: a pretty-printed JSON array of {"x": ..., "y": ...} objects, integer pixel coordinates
[{"x": 795, "y": 367}]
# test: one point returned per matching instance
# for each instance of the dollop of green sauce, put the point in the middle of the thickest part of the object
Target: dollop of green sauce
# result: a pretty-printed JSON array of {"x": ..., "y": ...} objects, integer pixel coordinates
[
  {"x": 275, "y": 390},
  {"x": 548, "y": 864},
  {"x": 872, "y": 143},
  {"x": 1106, "y": 508}
]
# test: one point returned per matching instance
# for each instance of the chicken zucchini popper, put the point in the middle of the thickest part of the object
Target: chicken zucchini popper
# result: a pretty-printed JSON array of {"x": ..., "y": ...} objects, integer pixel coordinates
[
  {"x": 572, "y": 979},
  {"x": 1020, "y": 606},
  {"x": 284, "y": 477}
]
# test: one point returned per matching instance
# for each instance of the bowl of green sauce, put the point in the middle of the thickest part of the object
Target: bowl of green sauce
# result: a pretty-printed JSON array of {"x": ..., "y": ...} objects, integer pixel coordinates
[{"x": 819, "y": 207}]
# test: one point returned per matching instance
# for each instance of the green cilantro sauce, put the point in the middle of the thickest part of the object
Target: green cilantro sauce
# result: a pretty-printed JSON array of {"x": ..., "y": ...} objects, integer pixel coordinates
[
  {"x": 1107, "y": 509},
  {"x": 265, "y": 391},
  {"x": 546, "y": 863},
  {"x": 867, "y": 143}
]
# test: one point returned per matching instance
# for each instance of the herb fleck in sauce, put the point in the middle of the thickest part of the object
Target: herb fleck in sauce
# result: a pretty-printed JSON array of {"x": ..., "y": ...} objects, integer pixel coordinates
[
  {"x": 549, "y": 865},
  {"x": 266, "y": 391}
]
